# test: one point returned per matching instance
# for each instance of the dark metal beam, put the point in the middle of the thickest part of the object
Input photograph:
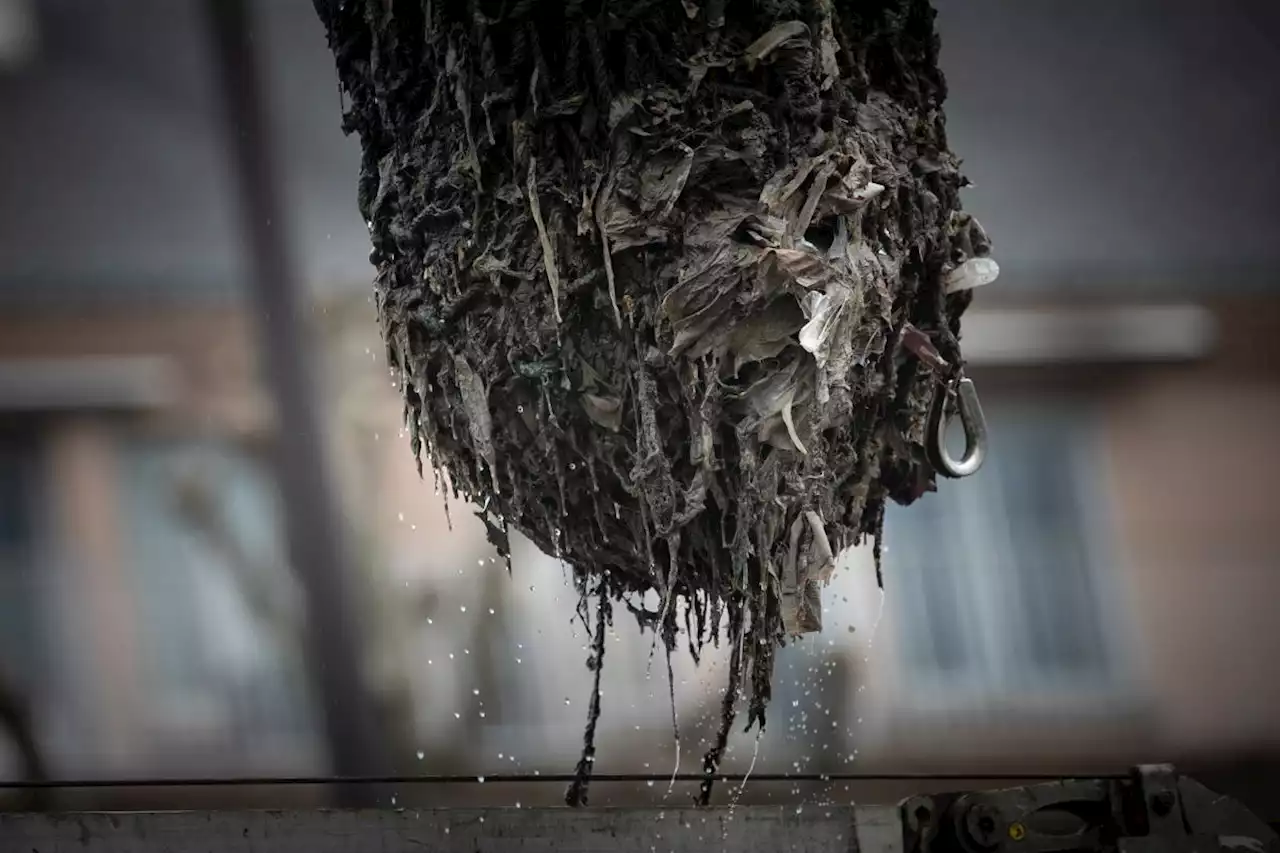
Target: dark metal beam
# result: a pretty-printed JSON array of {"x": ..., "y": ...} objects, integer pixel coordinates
[
  {"x": 754, "y": 829},
  {"x": 313, "y": 525}
]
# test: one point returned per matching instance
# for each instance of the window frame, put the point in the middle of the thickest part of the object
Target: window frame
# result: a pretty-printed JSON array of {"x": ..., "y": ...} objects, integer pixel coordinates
[
  {"x": 206, "y": 703},
  {"x": 1108, "y": 692}
]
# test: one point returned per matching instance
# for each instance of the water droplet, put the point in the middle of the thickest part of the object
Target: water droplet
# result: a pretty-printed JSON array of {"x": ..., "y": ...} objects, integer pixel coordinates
[
  {"x": 421, "y": 755},
  {"x": 402, "y": 516},
  {"x": 457, "y": 715},
  {"x": 480, "y": 779},
  {"x": 566, "y": 700},
  {"x": 492, "y": 611},
  {"x": 463, "y": 608},
  {"x": 475, "y": 691}
]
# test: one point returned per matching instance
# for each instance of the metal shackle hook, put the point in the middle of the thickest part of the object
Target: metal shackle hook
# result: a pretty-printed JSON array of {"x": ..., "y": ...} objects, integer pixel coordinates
[{"x": 975, "y": 430}]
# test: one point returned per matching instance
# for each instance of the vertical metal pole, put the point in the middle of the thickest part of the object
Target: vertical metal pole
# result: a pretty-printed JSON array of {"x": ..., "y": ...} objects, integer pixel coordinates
[{"x": 316, "y": 548}]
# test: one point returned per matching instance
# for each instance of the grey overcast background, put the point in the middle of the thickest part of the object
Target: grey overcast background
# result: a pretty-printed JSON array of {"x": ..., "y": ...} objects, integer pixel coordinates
[{"x": 1134, "y": 154}]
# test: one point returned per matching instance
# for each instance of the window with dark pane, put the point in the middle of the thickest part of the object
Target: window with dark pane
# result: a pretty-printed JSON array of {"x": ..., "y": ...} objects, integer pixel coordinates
[
  {"x": 1051, "y": 545},
  {"x": 211, "y": 574},
  {"x": 995, "y": 580},
  {"x": 927, "y": 587}
]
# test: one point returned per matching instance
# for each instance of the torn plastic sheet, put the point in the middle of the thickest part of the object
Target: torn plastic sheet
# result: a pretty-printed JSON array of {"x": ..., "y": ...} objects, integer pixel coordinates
[
  {"x": 808, "y": 567},
  {"x": 974, "y": 272},
  {"x": 606, "y": 411}
]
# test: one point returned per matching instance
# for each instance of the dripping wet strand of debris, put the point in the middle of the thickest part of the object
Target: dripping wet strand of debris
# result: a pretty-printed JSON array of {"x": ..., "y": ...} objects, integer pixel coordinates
[
  {"x": 675, "y": 721},
  {"x": 577, "y": 793},
  {"x": 711, "y": 761}
]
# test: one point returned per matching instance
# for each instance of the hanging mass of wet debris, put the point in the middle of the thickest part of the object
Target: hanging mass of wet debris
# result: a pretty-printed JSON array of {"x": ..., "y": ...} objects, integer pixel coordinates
[{"x": 645, "y": 269}]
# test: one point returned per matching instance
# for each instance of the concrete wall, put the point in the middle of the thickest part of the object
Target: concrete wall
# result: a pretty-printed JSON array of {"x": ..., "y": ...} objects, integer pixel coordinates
[{"x": 1195, "y": 466}]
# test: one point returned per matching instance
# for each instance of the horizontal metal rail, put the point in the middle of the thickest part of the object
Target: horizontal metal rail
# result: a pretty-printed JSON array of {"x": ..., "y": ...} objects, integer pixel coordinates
[
  {"x": 754, "y": 829},
  {"x": 536, "y": 778}
]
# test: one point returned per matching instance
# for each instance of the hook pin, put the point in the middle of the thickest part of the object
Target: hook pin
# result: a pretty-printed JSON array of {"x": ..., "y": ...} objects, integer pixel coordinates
[{"x": 971, "y": 418}]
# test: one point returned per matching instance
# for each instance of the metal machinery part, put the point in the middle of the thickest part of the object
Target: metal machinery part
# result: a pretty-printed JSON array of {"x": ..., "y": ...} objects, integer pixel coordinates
[
  {"x": 1155, "y": 809},
  {"x": 1152, "y": 810}
]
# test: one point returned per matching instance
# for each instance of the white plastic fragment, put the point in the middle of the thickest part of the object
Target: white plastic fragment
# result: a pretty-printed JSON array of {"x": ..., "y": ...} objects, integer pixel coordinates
[{"x": 974, "y": 272}]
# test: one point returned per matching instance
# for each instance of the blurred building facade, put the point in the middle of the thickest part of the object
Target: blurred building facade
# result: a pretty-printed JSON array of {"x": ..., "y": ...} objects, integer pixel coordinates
[{"x": 1100, "y": 593}]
